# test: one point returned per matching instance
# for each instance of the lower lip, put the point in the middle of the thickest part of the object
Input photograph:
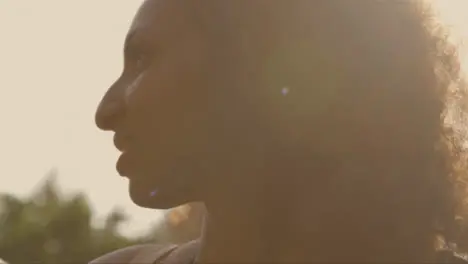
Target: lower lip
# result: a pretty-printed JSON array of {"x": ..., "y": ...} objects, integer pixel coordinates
[{"x": 122, "y": 165}]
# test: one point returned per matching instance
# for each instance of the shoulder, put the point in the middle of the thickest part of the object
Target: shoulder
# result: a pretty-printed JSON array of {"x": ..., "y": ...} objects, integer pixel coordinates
[
  {"x": 130, "y": 254},
  {"x": 448, "y": 256}
]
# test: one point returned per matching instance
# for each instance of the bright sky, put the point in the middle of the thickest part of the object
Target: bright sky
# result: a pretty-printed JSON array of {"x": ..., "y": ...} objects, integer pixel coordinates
[{"x": 57, "y": 58}]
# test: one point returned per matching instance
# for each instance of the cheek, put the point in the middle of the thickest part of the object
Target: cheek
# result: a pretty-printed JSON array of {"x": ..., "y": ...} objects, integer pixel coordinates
[
  {"x": 168, "y": 105},
  {"x": 169, "y": 84},
  {"x": 143, "y": 98}
]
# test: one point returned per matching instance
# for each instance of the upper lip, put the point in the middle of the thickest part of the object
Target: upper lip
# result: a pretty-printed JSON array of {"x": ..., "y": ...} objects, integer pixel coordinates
[{"x": 119, "y": 142}]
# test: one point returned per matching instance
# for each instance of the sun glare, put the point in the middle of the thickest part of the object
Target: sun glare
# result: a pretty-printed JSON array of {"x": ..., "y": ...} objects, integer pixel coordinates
[{"x": 453, "y": 13}]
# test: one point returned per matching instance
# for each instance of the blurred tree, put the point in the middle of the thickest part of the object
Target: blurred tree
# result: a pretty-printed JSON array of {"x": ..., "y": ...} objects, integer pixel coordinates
[
  {"x": 182, "y": 224},
  {"x": 50, "y": 228},
  {"x": 185, "y": 222}
]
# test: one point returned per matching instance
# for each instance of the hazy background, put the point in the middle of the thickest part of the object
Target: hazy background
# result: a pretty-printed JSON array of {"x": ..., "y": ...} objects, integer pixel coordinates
[{"x": 57, "y": 58}]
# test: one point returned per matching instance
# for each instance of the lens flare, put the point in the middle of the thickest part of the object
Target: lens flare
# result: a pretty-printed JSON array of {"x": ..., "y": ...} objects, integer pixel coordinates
[{"x": 153, "y": 193}]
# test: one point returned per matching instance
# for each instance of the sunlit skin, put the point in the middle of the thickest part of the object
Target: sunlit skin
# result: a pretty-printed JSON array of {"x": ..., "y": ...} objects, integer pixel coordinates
[
  {"x": 190, "y": 131},
  {"x": 160, "y": 96}
]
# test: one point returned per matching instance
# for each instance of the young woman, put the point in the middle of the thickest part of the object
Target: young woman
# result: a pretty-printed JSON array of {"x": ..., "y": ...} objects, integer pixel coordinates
[{"x": 314, "y": 131}]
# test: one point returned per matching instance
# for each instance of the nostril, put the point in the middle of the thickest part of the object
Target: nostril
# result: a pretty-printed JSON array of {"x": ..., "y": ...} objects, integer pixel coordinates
[{"x": 108, "y": 115}]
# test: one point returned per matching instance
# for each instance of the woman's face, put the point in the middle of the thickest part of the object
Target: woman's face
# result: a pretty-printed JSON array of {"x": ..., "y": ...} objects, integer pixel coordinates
[{"x": 160, "y": 108}]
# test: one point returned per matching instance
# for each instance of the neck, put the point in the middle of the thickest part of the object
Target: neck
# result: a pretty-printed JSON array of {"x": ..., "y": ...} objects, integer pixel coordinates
[{"x": 259, "y": 227}]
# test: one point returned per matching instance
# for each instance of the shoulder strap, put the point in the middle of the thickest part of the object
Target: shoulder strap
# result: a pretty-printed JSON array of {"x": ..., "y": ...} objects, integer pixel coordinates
[
  {"x": 152, "y": 254},
  {"x": 141, "y": 254},
  {"x": 184, "y": 254},
  {"x": 167, "y": 254}
]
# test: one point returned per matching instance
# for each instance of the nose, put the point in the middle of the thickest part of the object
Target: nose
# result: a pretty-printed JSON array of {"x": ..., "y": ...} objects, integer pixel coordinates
[{"x": 111, "y": 109}]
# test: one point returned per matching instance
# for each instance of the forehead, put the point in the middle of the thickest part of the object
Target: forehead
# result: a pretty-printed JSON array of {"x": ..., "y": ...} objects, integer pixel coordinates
[{"x": 156, "y": 17}]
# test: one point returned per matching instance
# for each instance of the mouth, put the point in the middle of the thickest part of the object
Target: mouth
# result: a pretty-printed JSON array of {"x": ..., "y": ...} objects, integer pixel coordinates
[{"x": 123, "y": 163}]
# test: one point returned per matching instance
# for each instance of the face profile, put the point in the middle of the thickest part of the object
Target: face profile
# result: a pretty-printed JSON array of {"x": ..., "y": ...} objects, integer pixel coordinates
[
  {"x": 304, "y": 110},
  {"x": 156, "y": 107}
]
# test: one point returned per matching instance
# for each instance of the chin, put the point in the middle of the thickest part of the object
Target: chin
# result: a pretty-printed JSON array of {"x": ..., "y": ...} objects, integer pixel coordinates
[{"x": 166, "y": 197}]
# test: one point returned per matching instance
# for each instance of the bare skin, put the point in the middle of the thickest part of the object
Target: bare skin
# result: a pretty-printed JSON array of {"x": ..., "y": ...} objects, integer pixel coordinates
[{"x": 184, "y": 138}]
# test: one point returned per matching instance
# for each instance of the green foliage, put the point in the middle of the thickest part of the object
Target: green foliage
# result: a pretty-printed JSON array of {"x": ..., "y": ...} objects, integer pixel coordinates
[{"x": 49, "y": 227}]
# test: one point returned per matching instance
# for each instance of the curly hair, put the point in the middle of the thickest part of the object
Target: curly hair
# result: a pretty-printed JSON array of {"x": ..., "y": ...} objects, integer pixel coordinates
[{"x": 374, "y": 90}]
